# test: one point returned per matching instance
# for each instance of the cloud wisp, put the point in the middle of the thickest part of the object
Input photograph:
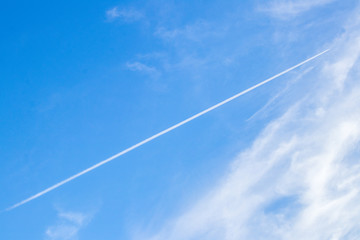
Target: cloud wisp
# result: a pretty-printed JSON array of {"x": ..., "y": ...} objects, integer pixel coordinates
[
  {"x": 284, "y": 9},
  {"x": 141, "y": 67},
  {"x": 68, "y": 225},
  {"x": 127, "y": 15},
  {"x": 162, "y": 133}
]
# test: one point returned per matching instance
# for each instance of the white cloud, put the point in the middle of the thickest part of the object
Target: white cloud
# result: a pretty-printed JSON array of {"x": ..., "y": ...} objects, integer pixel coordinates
[
  {"x": 127, "y": 15},
  {"x": 194, "y": 32},
  {"x": 141, "y": 67},
  {"x": 300, "y": 179},
  {"x": 68, "y": 225},
  {"x": 291, "y": 8}
]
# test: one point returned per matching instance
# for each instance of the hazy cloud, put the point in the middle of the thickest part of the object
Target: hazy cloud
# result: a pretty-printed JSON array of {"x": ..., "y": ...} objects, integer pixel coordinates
[
  {"x": 68, "y": 225},
  {"x": 127, "y": 15},
  {"x": 141, "y": 67},
  {"x": 193, "y": 32},
  {"x": 291, "y": 8}
]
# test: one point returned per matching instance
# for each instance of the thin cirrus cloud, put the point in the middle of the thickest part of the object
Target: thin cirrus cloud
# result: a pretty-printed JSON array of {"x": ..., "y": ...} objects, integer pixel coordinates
[
  {"x": 287, "y": 9},
  {"x": 141, "y": 67},
  {"x": 127, "y": 15},
  {"x": 67, "y": 226},
  {"x": 300, "y": 179},
  {"x": 196, "y": 32}
]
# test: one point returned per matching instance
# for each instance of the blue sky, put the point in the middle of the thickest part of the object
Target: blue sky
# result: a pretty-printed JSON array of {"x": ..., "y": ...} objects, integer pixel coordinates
[{"x": 83, "y": 81}]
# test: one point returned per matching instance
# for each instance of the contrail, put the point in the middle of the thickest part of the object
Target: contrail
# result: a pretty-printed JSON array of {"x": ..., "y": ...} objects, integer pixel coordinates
[{"x": 160, "y": 133}]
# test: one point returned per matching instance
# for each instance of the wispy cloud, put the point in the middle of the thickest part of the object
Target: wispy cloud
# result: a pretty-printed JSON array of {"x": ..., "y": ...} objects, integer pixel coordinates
[
  {"x": 300, "y": 179},
  {"x": 141, "y": 67},
  {"x": 271, "y": 103},
  {"x": 68, "y": 225},
  {"x": 194, "y": 32},
  {"x": 291, "y": 8},
  {"x": 127, "y": 15}
]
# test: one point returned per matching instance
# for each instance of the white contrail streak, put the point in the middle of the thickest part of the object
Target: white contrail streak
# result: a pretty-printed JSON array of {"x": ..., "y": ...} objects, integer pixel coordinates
[{"x": 159, "y": 134}]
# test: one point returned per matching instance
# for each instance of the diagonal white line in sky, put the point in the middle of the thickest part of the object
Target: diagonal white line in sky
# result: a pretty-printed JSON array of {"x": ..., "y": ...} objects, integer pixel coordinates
[{"x": 161, "y": 133}]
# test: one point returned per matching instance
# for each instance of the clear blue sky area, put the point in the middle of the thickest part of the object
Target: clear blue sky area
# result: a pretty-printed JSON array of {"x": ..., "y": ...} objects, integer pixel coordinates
[{"x": 81, "y": 81}]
